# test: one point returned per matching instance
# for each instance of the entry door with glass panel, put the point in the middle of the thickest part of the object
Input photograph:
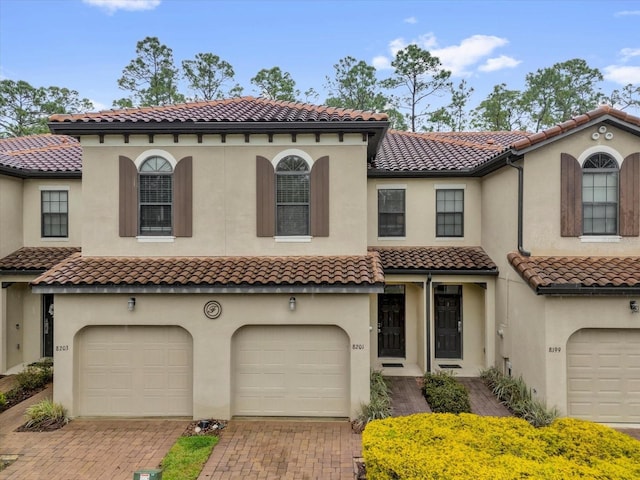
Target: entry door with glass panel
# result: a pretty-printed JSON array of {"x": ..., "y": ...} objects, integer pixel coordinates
[
  {"x": 47, "y": 325},
  {"x": 448, "y": 302},
  {"x": 391, "y": 334}
]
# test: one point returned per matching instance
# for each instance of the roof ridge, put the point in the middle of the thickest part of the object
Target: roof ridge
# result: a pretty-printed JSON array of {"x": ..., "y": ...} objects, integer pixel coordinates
[{"x": 39, "y": 149}]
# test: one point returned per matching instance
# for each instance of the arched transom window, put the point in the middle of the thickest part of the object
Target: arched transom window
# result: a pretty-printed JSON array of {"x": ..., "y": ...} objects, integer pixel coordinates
[
  {"x": 156, "y": 196},
  {"x": 292, "y": 196},
  {"x": 600, "y": 195}
]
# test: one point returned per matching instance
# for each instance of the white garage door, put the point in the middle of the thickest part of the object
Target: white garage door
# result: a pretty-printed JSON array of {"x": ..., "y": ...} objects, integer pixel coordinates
[
  {"x": 291, "y": 371},
  {"x": 604, "y": 375},
  {"x": 135, "y": 371}
]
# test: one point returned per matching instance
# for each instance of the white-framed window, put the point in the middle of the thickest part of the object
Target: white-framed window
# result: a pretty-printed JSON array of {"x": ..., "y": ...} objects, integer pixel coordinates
[
  {"x": 55, "y": 213},
  {"x": 292, "y": 176},
  {"x": 600, "y": 195},
  {"x": 155, "y": 197},
  {"x": 391, "y": 211},
  {"x": 450, "y": 212}
]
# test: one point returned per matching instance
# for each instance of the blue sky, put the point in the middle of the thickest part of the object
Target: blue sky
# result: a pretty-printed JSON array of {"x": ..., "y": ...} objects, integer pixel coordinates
[{"x": 85, "y": 44}]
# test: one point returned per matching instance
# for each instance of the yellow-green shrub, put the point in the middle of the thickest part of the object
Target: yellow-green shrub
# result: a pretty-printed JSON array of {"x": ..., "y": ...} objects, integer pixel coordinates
[{"x": 465, "y": 446}]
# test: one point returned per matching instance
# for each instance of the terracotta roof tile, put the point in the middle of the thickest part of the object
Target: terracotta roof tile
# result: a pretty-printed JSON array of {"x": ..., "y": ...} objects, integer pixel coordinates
[
  {"x": 419, "y": 152},
  {"x": 435, "y": 258},
  {"x": 35, "y": 259},
  {"x": 45, "y": 153},
  {"x": 79, "y": 271},
  {"x": 575, "y": 122},
  {"x": 574, "y": 273},
  {"x": 240, "y": 109}
]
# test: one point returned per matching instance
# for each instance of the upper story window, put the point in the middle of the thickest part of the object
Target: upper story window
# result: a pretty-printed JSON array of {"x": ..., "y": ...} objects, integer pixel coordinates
[
  {"x": 450, "y": 213},
  {"x": 600, "y": 195},
  {"x": 55, "y": 213},
  {"x": 156, "y": 197},
  {"x": 391, "y": 212},
  {"x": 292, "y": 197}
]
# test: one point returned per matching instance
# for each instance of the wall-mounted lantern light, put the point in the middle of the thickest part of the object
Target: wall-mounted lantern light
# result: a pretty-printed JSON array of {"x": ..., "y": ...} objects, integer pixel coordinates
[
  {"x": 131, "y": 304},
  {"x": 292, "y": 303}
]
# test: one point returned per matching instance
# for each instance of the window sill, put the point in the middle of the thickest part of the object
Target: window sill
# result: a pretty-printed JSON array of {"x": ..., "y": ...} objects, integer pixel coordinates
[
  {"x": 54, "y": 239},
  {"x": 151, "y": 239},
  {"x": 448, "y": 239},
  {"x": 600, "y": 238},
  {"x": 387, "y": 239},
  {"x": 294, "y": 239}
]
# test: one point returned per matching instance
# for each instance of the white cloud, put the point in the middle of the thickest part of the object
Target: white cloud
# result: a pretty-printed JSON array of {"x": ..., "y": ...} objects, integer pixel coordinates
[
  {"x": 396, "y": 45},
  {"x": 411, "y": 20},
  {"x": 626, "y": 13},
  {"x": 98, "y": 106},
  {"x": 459, "y": 58},
  {"x": 622, "y": 74},
  {"x": 381, "y": 62},
  {"x": 131, "y": 5},
  {"x": 499, "y": 63},
  {"x": 627, "y": 53}
]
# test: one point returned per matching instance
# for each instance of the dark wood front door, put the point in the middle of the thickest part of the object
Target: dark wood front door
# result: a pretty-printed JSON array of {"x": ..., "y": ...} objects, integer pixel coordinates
[
  {"x": 47, "y": 325},
  {"x": 448, "y": 326},
  {"x": 391, "y": 338}
]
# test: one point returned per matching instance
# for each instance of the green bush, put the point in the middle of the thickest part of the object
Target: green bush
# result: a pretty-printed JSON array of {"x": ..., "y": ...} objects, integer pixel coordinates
[
  {"x": 34, "y": 377},
  {"x": 470, "y": 447},
  {"x": 3, "y": 400},
  {"x": 44, "y": 413},
  {"x": 445, "y": 394},
  {"x": 379, "y": 405}
]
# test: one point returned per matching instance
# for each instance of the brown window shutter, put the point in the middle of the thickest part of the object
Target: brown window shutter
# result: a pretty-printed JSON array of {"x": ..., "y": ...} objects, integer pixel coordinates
[
  {"x": 570, "y": 196},
  {"x": 320, "y": 198},
  {"x": 630, "y": 196},
  {"x": 265, "y": 198},
  {"x": 183, "y": 198},
  {"x": 128, "y": 204}
]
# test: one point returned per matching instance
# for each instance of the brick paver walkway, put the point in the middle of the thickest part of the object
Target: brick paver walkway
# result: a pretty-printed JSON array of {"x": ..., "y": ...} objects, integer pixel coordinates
[
  {"x": 274, "y": 449},
  {"x": 483, "y": 402},
  {"x": 84, "y": 449}
]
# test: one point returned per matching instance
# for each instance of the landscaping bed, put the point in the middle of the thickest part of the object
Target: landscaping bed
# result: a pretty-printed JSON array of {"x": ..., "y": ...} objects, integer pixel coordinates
[{"x": 30, "y": 381}]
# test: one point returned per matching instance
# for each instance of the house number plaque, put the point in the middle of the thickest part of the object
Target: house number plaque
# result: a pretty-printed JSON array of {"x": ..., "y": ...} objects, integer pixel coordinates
[{"x": 212, "y": 309}]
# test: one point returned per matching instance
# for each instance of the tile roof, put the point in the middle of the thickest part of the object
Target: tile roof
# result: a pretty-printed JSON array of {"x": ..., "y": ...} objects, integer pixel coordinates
[
  {"x": 240, "y": 109},
  {"x": 35, "y": 259},
  {"x": 575, "y": 122},
  {"x": 457, "y": 151},
  {"x": 556, "y": 274},
  {"x": 44, "y": 153},
  {"x": 435, "y": 258},
  {"x": 335, "y": 271}
]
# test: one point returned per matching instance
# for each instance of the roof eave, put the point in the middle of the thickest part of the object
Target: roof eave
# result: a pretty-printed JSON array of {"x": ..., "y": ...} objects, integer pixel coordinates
[
  {"x": 426, "y": 271},
  {"x": 379, "y": 173},
  {"x": 22, "y": 173},
  {"x": 582, "y": 290}
]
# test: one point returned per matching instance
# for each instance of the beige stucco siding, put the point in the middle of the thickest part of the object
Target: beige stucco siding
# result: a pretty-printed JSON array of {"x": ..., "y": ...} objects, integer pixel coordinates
[
  {"x": 420, "y": 213},
  {"x": 11, "y": 234},
  {"x": 32, "y": 212},
  {"x": 224, "y": 196},
  {"x": 212, "y": 339}
]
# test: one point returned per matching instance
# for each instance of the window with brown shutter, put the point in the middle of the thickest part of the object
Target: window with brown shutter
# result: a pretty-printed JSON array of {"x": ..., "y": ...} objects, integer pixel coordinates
[
  {"x": 570, "y": 196},
  {"x": 265, "y": 198},
  {"x": 320, "y": 198},
  {"x": 183, "y": 198},
  {"x": 128, "y": 201},
  {"x": 630, "y": 196}
]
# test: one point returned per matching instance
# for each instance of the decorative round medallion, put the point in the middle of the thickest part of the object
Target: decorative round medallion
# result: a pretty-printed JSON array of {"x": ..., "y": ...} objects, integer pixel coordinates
[
  {"x": 602, "y": 129},
  {"x": 212, "y": 309}
]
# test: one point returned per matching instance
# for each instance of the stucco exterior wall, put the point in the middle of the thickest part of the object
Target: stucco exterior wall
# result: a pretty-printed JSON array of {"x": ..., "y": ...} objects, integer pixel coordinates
[
  {"x": 32, "y": 212},
  {"x": 212, "y": 375},
  {"x": 420, "y": 213},
  {"x": 224, "y": 195},
  {"x": 11, "y": 234}
]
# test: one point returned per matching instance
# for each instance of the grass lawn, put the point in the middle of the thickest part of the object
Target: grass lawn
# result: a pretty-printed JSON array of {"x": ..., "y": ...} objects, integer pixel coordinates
[{"x": 185, "y": 459}]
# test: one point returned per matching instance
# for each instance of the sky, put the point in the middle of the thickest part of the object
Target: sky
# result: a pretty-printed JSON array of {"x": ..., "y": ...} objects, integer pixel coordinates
[{"x": 84, "y": 45}]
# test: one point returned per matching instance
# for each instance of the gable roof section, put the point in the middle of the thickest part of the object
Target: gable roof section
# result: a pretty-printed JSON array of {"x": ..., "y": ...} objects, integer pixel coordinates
[
  {"x": 30, "y": 260},
  {"x": 41, "y": 155},
  {"x": 450, "y": 260},
  {"x": 356, "y": 273},
  {"x": 438, "y": 153},
  {"x": 557, "y": 275}
]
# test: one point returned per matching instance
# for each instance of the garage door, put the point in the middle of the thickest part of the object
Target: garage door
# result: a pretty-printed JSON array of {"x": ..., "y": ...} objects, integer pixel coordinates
[
  {"x": 135, "y": 371},
  {"x": 604, "y": 375},
  {"x": 291, "y": 371}
]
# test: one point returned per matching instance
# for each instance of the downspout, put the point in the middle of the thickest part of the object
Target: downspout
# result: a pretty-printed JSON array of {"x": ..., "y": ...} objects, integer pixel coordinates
[
  {"x": 520, "y": 206},
  {"x": 428, "y": 325}
]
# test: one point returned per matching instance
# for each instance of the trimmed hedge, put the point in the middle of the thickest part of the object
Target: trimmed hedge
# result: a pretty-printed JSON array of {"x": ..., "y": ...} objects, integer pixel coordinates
[
  {"x": 469, "y": 447},
  {"x": 445, "y": 394}
]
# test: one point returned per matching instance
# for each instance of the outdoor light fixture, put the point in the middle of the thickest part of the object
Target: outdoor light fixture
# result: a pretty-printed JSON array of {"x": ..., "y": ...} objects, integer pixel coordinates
[
  {"x": 131, "y": 304},
  {"x": 633, "y": 305},
  {"x": 292, "y": 303}
]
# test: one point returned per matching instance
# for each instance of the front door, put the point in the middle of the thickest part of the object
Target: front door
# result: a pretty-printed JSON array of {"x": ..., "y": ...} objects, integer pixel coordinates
[
  {"x": 47, "y": 325},
  {"x": 448, "y": 322},
  {"x": 391, "y": 338}
]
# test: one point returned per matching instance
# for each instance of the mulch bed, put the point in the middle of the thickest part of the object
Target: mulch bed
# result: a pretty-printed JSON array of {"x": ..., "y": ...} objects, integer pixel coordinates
[
  {"x": 208, "y": 426},
  {"x": 17, "y": 396},
  {"x": 46, "y": 426}
]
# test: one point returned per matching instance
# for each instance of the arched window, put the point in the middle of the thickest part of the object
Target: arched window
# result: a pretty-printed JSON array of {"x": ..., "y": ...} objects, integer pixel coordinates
[
  {"x": 155, "y": 196},
  {"x": 292, "y": 196},
  {"x": 600, "y": 195}
]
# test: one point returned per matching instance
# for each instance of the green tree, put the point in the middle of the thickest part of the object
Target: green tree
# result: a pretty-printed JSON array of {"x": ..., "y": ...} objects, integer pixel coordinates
[
  {"x": 207, "y": 75},
  {"x": 629, "y": 96},
  {"x": 275, "y": 84},
  {"x": 151, "y": 77},
  {"x": 355, "y": 86},
  {"x": 25, "y": 109},
  {"x": 501, "y": 110},
  {"x": 453, "y": 117},
  {"x": 557, "y": 93},
  {"x": 420, "y": 75}
]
